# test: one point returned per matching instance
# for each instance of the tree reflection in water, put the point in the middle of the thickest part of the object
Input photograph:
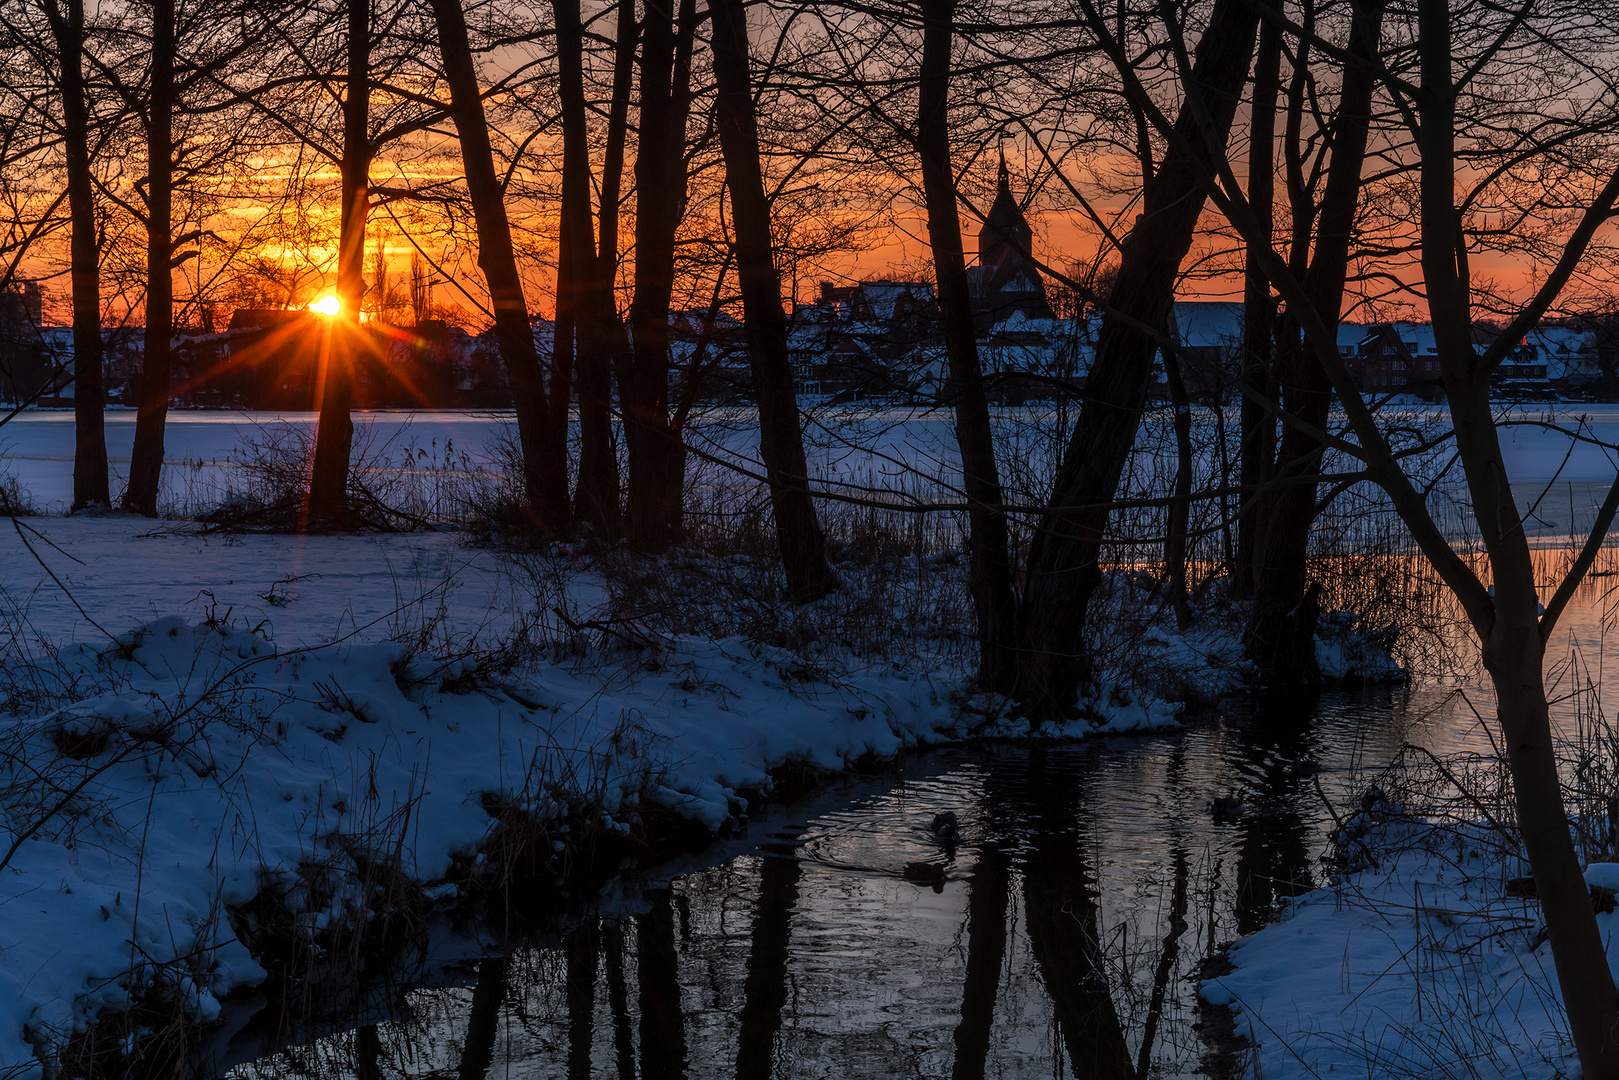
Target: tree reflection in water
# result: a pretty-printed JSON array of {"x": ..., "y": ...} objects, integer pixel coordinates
[{"x": 1084, "y": 890}]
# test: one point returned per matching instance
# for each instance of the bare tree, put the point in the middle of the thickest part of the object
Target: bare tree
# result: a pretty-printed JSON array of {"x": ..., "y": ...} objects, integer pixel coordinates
[
  {"x": 67, "y": 26},
  {"x": 657, "y": 459},
  {"x": 498, "y": 261},
  {"x": 781, "y": 439},
  {"x": 1063, "y": 570},
  {"x": 990, "y": 571},
  {"x": 1457, "y": 105}
]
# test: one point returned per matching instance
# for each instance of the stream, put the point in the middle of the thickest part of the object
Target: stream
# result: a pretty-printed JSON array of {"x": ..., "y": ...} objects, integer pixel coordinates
[{"x": 1061, "y": 934}]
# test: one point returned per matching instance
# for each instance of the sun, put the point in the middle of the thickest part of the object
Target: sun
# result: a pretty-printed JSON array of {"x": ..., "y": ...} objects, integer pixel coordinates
[{"x": 326, "y": 305}]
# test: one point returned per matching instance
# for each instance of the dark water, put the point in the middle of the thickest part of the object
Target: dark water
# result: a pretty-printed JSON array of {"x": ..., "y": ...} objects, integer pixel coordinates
[{"x": 1060, "y": 936}]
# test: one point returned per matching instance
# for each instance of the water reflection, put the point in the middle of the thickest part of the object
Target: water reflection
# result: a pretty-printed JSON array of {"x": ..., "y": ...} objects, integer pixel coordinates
[{"x": 1077, "y": 894}]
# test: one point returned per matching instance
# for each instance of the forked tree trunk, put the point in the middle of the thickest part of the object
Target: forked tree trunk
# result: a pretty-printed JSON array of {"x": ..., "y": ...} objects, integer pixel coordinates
[
  {"x": 1281, "y": 629},
  {"x": 146, "y": 457},
  {"x": 334, "y": 434},
  {"x": 499, "y": 264},
  {"x": 89, "y": 397},
  {"x": 656, "y": 455},
  {"x": 989, "y": 574},
  {"x": 603, "y": 346},
  {"x": 781, "y": 439},
  {"x": 1063, "y": 571},
  {"x": 1257, "y": 442}
]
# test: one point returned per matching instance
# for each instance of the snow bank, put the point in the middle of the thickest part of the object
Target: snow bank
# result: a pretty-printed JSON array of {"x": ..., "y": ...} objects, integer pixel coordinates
[
  {"x": 198, "y": 765},
  {"x": 1421, "y": 965}
]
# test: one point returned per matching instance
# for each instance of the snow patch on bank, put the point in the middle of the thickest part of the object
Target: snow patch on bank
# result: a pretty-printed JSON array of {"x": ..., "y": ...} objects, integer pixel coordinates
[{"x": 1421, "y": 965}]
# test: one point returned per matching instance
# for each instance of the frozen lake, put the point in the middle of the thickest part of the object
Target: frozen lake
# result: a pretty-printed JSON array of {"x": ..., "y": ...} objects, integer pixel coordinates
[{"x": 910, "y": 450}]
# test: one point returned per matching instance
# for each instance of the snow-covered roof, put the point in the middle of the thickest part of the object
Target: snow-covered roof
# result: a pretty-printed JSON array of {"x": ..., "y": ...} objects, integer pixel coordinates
[{"x": 1204, "y": 323}]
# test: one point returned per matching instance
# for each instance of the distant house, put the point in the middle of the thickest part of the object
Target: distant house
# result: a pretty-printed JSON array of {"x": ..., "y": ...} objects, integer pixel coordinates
[
  {"x": 25, "y": 362},
  {"x": 1209, "y": 335},
  {"x": 1382, "y": 361},
  {"x": 1572, "y": 356}
]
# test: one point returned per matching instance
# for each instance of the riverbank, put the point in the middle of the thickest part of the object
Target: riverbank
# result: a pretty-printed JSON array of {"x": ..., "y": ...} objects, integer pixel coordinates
[{"x": 322, "y": 741}]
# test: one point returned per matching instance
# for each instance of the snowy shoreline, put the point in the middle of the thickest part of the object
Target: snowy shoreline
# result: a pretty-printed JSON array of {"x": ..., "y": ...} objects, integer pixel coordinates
[{"x": 304, "y": 753}]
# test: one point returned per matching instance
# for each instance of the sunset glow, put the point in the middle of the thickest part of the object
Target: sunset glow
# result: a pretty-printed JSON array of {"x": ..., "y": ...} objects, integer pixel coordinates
[{"x": 326, "y": 305}]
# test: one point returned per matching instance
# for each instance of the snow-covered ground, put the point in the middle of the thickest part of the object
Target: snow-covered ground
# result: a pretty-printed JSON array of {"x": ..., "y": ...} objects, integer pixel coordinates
[
  {"x": 193, "y": 721},
  {"x": 1421, "y": 965}
]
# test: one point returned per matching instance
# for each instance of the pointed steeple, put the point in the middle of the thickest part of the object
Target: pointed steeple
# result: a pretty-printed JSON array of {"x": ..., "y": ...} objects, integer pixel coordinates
[{"x": 1006, "y": 278}]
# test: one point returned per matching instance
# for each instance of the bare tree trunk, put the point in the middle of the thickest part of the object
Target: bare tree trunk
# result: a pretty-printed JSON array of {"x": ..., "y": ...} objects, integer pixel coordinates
[
  {"x": 1258, "y": 438},
  {"x": 499, "y": 264},
  {"x": 1179, "y": 515},
  {"x": 603, "y": 345},
  {"x": 334, "y": 435},
  {"x": 1510, "y": 628},
  {"x": 655, "y": 451},
  {"x": 990, "y": 567},
  {"x": 576, "y": 238},
  {"x": 1063, "y": 571},
  {"x": 781, "y": 439},
  {"x": 89, "y": 397},
  {"x": 1281, "y": 629},
  {"x": 146, "y": 457}
]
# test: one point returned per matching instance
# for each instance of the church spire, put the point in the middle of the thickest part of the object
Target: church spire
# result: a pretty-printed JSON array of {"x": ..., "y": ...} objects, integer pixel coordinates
[{"x": 1004, "y": 178}]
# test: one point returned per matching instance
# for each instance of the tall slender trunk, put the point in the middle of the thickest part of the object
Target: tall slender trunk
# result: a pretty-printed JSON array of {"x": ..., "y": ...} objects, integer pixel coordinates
[
  {"x": 989, "y": 565},
  {"x": 1258, "y": 424},
  {"x": 1510, "y": 633},
  {"x": 655, "y": 451},
  {"x": 89, "y": 396},
  {"x": 499, "y": 264},
  {"x": 1178, "y": 518},
  {"x": 146, "y": 457},
  {"x": 334, "y": 434},
  {"x": 1281, "y": 629},
  {"x": 1063, "y": 569},
  {"x": 576, "y": 240},
  {"x": 603, "y": 345},
  {"x": 781, "y": 439}
]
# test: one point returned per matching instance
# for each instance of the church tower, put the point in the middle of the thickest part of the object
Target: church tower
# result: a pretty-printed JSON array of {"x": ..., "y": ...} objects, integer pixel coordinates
[{"x": 1005, "y": 279}]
